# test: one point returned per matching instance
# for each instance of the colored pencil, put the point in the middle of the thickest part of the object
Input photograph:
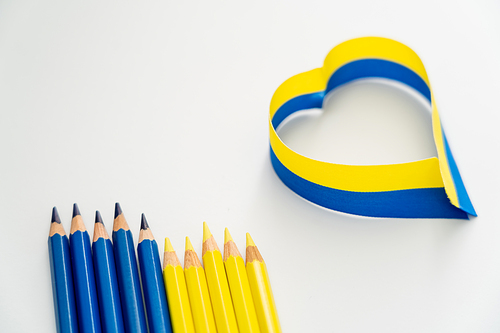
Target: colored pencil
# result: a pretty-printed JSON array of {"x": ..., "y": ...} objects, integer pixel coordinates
[
  {"x": 218, "y": 287},
  {"x": 83, "y": 276},
  {"x": 134, "y": 318},
  {"x": 197, "y": 287},
  {"x": 177, "y": 295},
  {"x": 152, "y": 282},
  {"x": 239, "y": 287},
  {"x": 261, "y": 289},
  {"x": 62, "y": 277},
  {"x": 106, "y": 280}
]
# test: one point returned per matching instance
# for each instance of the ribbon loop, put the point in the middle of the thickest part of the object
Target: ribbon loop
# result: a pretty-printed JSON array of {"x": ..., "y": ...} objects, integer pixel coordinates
[{"x": 429, "y": 188}]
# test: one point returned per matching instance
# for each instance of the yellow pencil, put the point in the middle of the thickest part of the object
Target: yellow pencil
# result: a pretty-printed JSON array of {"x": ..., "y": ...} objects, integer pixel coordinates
[
  {"x": 177, "y": 295},
  {"x": 199, "y": 298},
  {"x": 261, "y": 290},
  {"x": 239, "y": 286},
  {"x": 217, "y": 284}
]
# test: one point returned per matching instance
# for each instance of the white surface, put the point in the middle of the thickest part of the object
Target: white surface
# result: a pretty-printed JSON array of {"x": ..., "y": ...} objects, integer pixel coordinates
[{"x": 137, "y": 103}]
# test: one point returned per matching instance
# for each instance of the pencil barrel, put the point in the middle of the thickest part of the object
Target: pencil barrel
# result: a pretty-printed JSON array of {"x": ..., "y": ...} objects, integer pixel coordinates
[
  {"x": 178, "y": 300},
  {"x": 62, "y": 284},
  {"x": 265, "y": 307},
  {"x": 107, "y": 286},
  {"x": 85, "y": 289},
  {"x": 199, "y": 298},
  {"x": 241, "y": 295},
  {"x": 134, "y": 318},
  {"x": 153, "y": 287},
  {"x": 220, "y": 296}
]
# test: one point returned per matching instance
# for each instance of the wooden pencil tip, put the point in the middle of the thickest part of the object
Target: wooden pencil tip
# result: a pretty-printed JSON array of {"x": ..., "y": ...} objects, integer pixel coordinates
[
  {"x": 189, "y": 246},
  {"x": 76, "y": 210},
  {"x": 99, "y": 229},
  {"x": 168, "y": 245},
  {"x": 98, "y": 217},
  {"x": 206, "y": 232},
  {"x": 55, "y": 216},
  {"x": 77, "y": 224},
  {"x": 56, "y": 226},
  {"x": 230, "y": 248},
  {"x": 250, "y": 240},
  {"x": 144, "y": 223},
  {"x": 227, "y": 236},
  {"x": 118, "y": 210},
  {"x": 119, "y": 222}
]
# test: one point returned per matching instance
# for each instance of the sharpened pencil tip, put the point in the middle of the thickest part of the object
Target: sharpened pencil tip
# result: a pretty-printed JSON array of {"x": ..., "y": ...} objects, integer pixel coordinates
[
  {"x": 227, "y": 236},
  {"x": 98, "y": 217},
  {"x": 76, "y": 210},
  {"x": 118, "y": 210},
  {"x": 189, "y": 246},
  {"x": 144, "y": 223},
  {"x": 55, "y": 216},
  {"x": 168, "y": 245},
  {"x": 249, "y": 240},
  {"x": 206, "y": 232}
]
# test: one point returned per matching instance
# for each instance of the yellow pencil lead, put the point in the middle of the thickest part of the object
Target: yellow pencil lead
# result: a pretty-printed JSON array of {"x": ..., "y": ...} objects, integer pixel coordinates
[
  {"x": 189, "y": 246},
  {"x": 249, "y": 240},
  {"x": 168, "y": 245},
  {"x": 227, "y": 236},
  {"x": 206, "y": 232}
]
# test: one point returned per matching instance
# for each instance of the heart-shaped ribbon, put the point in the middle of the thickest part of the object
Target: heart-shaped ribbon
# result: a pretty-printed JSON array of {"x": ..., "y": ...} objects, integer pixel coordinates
[{"x": 429, "y": 188}]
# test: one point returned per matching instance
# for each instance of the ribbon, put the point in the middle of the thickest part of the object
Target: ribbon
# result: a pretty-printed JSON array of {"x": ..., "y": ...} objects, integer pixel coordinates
[{"x": 429, "y": 188}]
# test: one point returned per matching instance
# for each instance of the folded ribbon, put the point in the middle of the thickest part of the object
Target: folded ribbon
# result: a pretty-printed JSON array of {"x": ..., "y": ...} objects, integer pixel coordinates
[{"x": 429, "y": 188}]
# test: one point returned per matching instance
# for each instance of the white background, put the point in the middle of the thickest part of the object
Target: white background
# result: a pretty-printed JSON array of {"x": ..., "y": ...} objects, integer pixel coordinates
[{"x": 163, "y": 107}]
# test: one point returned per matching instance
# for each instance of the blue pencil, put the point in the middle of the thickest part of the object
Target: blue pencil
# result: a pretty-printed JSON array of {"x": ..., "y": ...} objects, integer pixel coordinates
[
  {"x": 62, "y": 278},
  {"x": 83, "y": 274},
  {"x": 152, "y": 281},
  {"x": 106, "y": 282},
  {"x": 128, "y": 275}
]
